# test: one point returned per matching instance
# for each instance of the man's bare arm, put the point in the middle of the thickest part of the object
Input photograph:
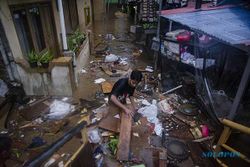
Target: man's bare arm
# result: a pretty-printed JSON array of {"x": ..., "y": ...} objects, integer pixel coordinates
[{"x": 120, "y": 105}]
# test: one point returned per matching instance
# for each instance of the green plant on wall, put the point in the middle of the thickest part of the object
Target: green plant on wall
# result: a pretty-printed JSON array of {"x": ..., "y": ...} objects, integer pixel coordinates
[
  {"x": 33, "y": 57},
  {"x": 45, "y": 57},
  {"x": 75, "y": 40}
]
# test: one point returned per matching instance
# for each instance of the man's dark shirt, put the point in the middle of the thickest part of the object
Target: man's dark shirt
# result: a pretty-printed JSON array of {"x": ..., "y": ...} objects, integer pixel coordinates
[{"x": 122, "y": 89}]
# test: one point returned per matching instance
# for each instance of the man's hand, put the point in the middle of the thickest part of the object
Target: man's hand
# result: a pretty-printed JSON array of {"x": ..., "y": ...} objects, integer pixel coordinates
[{"x": 129, "y": 112}]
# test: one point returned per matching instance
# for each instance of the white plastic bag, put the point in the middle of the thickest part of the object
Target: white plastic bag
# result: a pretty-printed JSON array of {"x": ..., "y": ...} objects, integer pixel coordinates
[
  {"x": 111, "y": 58},
  {"x": 151, "y": 113},
  {"x": 59, "y": 110},
  {"x": 94, "y": 136}
]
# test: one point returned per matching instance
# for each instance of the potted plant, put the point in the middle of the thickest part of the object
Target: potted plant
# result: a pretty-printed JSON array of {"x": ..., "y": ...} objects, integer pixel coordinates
[
  {"x": 45, "y": 58},
  {"x": 33, "y": 59},
  {"x": 76, "y": 40}
]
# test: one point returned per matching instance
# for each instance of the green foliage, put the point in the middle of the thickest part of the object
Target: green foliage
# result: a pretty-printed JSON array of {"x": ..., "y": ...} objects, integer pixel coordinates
[
  {"x": 45, "y": 57},
  {"x": 75, "y": 40},
  {"x": 113, "y": 145},
  {"x": 33, "y": 57},
  {"x": 149, "y": 25}
]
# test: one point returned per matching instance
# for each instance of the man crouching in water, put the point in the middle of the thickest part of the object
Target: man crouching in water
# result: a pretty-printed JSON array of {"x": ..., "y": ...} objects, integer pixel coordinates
[{"x": 124, "y": 88}]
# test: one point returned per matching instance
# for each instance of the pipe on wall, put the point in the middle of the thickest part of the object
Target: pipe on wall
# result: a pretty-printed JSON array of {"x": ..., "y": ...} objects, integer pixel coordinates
[{"x": 62, "y": 25}]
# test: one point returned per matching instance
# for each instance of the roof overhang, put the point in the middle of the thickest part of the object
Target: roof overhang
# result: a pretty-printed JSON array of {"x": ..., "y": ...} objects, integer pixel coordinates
[{"x": 229, "y": 25}]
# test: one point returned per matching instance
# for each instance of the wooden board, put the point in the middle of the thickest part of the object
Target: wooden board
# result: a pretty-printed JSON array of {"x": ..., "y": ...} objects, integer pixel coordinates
[
  {"x": 124, "y": 138},
  {"x": 110, "y": 123},
  {"x": 163, "y": 158},
  {"x": 107, "y": 87}
]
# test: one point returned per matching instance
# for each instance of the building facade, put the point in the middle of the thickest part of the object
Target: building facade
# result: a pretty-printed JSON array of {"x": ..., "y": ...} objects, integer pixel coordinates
[{"x": 35, "y": 25}]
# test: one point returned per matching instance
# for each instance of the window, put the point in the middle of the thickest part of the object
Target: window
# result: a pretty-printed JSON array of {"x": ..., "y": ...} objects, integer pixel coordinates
[
  {"x": 70, "y": 15},
  {"x": 34, "y": 27}
]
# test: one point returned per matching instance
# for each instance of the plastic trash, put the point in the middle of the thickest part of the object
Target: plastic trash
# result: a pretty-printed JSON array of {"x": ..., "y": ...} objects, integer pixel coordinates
[
  {"x": 3, "y": 88},
  {"x": 52, "y": 160},
  {"x": 99, "y": 80},
  {"x": 37, "y": 142},
  {"x": 151, "y": 113},
  {"x": 59, "y": 110},
  {"x": 204, "y": 130},
  {"x": 93, "y": 136},
  {"x": 111, "y": 58},
  {"x": 146, "y": 103}
]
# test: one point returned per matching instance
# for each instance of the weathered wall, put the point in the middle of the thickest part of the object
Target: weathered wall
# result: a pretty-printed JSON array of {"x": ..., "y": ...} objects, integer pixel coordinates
[
  {"x": 57, "y": 82},
  {"x": 99, "y": 9},
  {"x": 10, "y": 30},
  {"x": 61, "y": 81},
  {"x": 81, "y": 5},
  {"x": 32, "y": 82},
  {"x": 83, "y": 57}
]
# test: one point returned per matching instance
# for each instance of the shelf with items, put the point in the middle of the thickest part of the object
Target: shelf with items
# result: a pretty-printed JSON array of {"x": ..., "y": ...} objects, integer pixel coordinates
[
  {"x": 149, "y": 10},
  {"x": 179, "y": 45},
  {"x": 179, "y": 52}
]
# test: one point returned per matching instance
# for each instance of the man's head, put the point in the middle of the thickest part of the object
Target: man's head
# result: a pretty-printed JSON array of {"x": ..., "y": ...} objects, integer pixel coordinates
[{"x": 135, "y": 78}]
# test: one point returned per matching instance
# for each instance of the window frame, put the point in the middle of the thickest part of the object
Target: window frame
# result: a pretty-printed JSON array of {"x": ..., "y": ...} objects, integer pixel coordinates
[{"x": 31, "y": 31}]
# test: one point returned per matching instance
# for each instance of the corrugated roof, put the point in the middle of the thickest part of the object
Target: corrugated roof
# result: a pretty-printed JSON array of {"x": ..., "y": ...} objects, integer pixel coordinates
[{"x": 231, "y": 25}]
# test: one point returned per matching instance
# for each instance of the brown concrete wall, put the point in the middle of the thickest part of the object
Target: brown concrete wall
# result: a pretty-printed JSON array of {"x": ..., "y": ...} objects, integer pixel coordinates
[
  {"x": 10, "y": 30},
  {"x": 99, "y": 9},
  {"x": 81, "y": 5}
]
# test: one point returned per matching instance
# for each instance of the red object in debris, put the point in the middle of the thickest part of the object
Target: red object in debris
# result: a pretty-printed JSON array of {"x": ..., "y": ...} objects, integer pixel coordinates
[
  {"x": 151, "y": 127},
  {"x": 184, "y": 36},
  {"x": 204, "y": 131}
]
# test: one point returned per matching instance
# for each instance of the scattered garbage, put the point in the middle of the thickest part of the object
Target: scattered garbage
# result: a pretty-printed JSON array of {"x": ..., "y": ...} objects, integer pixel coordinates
[
  {"x": 165, "y": 107},
  {"x": 31, "y": 101},
  {"x": 109, "y": 37},
  {"x": 38, "y": 121},
  {"x": 52, "y": 160},
  {"x": 83, "y": 71},
  {"x": 136, "y": 134},
  {"x": 99, "y": 80},
  {"x": 98, "y": 156},
  {"x": 111, "y": 58},
  {"x": 196, "y": 132},
  {"x": 3, "y": 88},
  {"x": 151, "y": 113},
  {"x": 146, "y": 103},
  {"x": 37, "y": 142},
  {"x": 204, "y": 130},
  {"x": 59, "y": 109},
  {"x": 99, "y": 95},
  {"x": 149, "y": 69},
  {"x": 93, "y": 136}
]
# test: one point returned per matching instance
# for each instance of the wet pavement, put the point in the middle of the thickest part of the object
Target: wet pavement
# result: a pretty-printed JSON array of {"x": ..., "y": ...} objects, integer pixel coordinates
[{"x": 123, "y": 45}]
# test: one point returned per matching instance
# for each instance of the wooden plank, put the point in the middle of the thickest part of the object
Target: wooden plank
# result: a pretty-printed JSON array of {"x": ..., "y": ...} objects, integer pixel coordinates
[
  {"x": 124, "y": 138},
  {"x": 110, "y": 123},
  {"x": 163, "y": 158},
  {"x": 106, "y": 87}
]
